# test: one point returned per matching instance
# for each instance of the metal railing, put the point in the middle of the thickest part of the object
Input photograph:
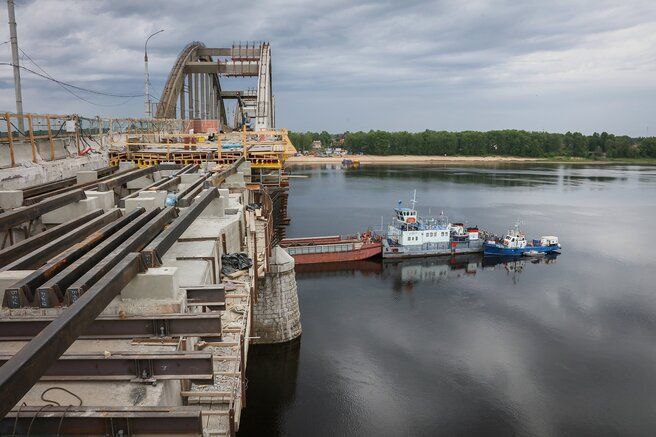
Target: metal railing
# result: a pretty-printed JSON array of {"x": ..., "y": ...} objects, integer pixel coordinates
[{"x": 42, "y": 133}]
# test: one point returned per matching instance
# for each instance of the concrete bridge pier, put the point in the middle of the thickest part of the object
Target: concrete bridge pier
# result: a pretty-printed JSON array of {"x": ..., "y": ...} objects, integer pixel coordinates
[{"x": 276, "y": 314}]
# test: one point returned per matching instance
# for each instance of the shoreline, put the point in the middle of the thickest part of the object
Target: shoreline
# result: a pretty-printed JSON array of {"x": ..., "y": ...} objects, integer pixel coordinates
[{"x": 435, "y": 159}]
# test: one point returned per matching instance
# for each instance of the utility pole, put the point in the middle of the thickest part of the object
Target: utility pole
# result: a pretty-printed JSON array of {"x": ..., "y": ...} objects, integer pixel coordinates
[
  {"x": 14, "y": 61},
  {"x": 149, "y": 111}
]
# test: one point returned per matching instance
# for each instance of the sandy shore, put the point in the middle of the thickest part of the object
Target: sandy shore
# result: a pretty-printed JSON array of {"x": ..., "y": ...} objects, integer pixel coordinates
[{"x": 405, "y": 159}]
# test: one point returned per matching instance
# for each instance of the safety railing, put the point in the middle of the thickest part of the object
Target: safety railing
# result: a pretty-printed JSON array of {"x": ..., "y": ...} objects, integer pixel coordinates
[{"x": 34, "y": 137}]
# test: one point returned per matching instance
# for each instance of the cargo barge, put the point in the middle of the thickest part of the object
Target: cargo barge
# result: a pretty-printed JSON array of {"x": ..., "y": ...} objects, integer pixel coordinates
[{"x": 332, "y": 249}]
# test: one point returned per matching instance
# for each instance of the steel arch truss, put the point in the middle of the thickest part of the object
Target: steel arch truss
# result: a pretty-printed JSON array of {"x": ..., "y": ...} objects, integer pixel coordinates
[{"x": 193, "y": 88}]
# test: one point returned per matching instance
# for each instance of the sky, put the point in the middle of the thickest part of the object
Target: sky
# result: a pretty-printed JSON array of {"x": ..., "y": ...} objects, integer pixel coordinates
[{"x": 553, "y": 65}]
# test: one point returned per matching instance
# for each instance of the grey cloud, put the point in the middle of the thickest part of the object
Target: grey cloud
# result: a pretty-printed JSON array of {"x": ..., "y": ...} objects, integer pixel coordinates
[{"x": 416, "y": 55}]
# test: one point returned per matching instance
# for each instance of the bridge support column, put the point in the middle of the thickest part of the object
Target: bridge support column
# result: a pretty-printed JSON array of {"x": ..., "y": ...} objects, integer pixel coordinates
[{"x": 276, "y": 314}]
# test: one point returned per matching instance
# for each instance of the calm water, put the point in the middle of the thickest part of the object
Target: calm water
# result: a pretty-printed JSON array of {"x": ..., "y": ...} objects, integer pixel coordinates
[{"x": 565, "y": 346}]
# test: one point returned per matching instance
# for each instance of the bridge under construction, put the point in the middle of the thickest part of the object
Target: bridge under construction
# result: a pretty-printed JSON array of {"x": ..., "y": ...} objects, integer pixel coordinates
[{"x": 140, "y": 258}]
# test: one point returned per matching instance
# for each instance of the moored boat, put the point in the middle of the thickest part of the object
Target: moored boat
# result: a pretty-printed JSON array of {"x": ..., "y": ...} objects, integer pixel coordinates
[
  {"x": 515, "y": 244},
  {"x": 412, "y": 236},
  {"x": 332, "y": 249}
]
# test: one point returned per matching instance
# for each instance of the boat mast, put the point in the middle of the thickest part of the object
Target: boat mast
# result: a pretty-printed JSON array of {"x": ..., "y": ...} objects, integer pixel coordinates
[{"x": 414, "y": 199}]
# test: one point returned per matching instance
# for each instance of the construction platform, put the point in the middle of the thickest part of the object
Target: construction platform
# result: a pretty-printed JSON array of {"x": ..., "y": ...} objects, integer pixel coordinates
[{"x": 117, "y": 314}]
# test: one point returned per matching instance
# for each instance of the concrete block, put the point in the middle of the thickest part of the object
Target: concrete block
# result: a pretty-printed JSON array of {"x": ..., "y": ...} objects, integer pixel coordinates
[
  {"x": 70, "y": 211},
  {"x": 124, "y": 165},
  {"x": 9, "y": 278},
  {"x": 149, "y": 203},
  {"x": 216, "y": 208},
  {"x": 139, "y": 183},
  {"x": 159, "y": 196},
  {"x": 85, "y": 176},
  {"x": 105, "y": 198},
  {"x": 189, "y": 178},
  {"x": 155, "y": 283},
  {"x": 11, "y": 199}
]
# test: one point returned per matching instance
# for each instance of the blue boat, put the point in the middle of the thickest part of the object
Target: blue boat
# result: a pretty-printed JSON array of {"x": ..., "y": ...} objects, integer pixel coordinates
[{"x": 515, "y": 244}]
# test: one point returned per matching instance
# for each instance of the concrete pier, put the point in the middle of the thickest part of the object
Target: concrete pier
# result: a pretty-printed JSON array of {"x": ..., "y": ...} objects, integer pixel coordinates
[{"x": 276, "y": 314}]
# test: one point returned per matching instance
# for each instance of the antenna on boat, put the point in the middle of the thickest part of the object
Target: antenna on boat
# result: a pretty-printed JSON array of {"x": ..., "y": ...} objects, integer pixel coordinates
[
  {"x": 414, "y": 199},
  {"x": 382, "y": 223}
]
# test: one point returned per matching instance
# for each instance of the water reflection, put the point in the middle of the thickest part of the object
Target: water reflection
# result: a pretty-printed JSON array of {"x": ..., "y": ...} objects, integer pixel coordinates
[
  {"x": 405, "y": 274},
  {"x": 271, "y": 387},
  {"x": 491, "y": 175}
]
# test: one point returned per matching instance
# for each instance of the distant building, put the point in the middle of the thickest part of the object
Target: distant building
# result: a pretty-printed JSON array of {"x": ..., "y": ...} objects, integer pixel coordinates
[{"x": 316, "y": 145}]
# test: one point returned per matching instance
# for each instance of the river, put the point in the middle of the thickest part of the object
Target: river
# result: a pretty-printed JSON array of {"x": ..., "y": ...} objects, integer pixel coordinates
[{"x": 563, "y": 346}]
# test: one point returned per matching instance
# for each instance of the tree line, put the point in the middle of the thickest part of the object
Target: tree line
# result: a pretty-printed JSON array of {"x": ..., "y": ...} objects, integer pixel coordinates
[{"x": 490, "y": 143}]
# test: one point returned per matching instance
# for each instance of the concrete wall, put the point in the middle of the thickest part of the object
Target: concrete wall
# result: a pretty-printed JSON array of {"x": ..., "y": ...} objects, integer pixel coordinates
[
  {"x": 276, "y": 315},
  {"x": 28, "y": 173}
]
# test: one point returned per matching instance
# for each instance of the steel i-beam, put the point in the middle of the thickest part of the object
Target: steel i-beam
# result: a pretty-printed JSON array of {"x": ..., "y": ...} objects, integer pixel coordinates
[
  {"x": 153, "y": 253},
  {"x": 25, "y": 368}
]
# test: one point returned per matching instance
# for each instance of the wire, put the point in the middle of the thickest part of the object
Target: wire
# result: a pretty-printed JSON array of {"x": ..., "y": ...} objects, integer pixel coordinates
[
  {"x": 102, "y": 93},
  {"x": 55, "y": 387},
  {"x": 64, "y": 87}
]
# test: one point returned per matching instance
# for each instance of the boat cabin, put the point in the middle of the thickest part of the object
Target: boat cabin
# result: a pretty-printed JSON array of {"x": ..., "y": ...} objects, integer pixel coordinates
[
  {"x": 515, "y": 240},
  {"x": 406, "y": 215}
]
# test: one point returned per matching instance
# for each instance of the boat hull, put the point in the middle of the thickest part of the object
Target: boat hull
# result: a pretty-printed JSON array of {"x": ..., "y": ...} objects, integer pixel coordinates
[
  {"x": 391, "y": 251},
  {"x": 500, "y": 250},
  {"x": 331, "y": 249},
  {"x": 366, "y": 252}
]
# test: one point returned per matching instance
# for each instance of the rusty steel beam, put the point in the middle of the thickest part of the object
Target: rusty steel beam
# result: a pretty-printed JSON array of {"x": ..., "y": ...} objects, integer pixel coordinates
[
  {"x": 35, "y": 190},
  {"x": 91, "y": 185},
  {"x": 187, "y": 196},
  {"x": 25, "y": 368},
  {"x": 152, "y": 254},
  {"x": 205, "y": 295},
  {"x": 218, "y": 177},
  {"x": 23, "y": 247},
  {"x": 23, "y": 214},
  {"x": 40, "y": 254},
  {"x": 163, "y": 184},
  {"x": 24, "y": 289},
  {"x": 110, "y": 184},
  {"x": 168, "y": 183},
  {"x": 54, "y": 288},
  {"x": 134, "y": 244},
  {"x": 113, "y": 421},
  {"x": 163, "y": 325},
  {"x": 48, "y": 187},
  {"x": 136, "y": 366}
]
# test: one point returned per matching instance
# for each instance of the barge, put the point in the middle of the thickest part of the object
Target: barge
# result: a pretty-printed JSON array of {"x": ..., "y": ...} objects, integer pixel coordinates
[{"x": 332, "y": 249}]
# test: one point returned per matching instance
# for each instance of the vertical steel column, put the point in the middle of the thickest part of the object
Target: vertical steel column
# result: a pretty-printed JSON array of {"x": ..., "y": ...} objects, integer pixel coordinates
[
  {"x": 196, "y": 92},
  {"x": 183, "y": 113},
  {"x": 203, "y": 92},
  {"x": 190, "y": 95}
]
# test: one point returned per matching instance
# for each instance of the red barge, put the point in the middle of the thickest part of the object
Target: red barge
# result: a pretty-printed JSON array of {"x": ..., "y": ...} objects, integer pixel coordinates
[{"x": 331, "y": 249}]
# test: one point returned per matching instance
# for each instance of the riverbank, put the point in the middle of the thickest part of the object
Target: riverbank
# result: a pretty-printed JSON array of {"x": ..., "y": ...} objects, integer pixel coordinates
[{"x": 432, "y": 160}]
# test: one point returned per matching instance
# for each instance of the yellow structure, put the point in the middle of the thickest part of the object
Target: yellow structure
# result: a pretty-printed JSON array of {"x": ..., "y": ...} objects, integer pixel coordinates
[{"x": 267, "y": 149}]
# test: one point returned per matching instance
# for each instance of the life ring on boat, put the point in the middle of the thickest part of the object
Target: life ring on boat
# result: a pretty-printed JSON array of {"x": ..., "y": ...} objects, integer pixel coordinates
[{"x": 411, "y": 220}]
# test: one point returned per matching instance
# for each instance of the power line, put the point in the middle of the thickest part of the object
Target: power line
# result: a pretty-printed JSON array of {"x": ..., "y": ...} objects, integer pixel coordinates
[
  {"x": 65, "y": 88},
  {"x": 102, "y": 93}
]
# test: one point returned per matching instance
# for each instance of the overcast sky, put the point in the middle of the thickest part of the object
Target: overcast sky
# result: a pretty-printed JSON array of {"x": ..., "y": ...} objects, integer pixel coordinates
[{"x": 338, "y": 65}]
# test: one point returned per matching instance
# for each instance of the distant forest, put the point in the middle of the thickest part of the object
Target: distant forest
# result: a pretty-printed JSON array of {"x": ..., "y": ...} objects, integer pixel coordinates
[{"x": 499, "y": 142}]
